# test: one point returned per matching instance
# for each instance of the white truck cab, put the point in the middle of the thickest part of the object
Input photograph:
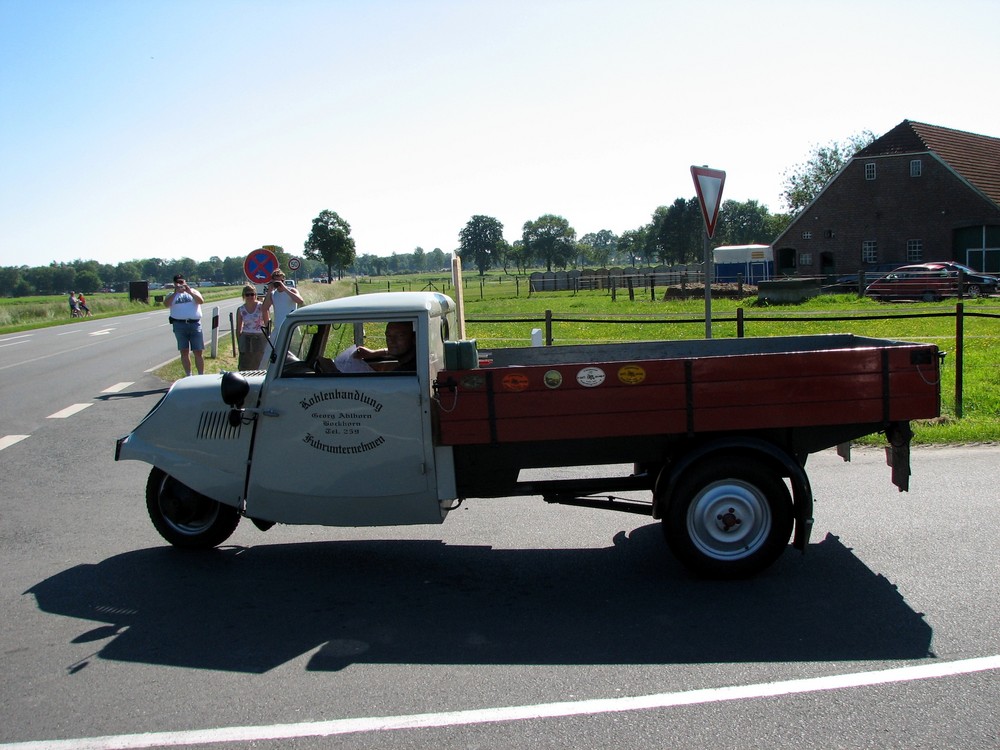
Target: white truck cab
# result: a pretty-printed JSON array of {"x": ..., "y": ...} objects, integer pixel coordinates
[{"x": 305, "y": 442}]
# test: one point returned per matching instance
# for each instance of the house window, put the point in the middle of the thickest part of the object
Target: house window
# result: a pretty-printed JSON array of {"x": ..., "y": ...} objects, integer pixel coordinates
[
  {"x": 914, "y": 251},
  {"x": 870, "y": 170},
  {"x": 916, "y": 167},
  {"x": 807, "y": 235},
  {"x": 805, "y": 259},
  {"x": 869, "y": 251}
]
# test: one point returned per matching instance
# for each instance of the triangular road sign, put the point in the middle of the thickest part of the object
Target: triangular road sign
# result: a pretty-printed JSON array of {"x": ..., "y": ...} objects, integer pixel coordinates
[{"x": 708, "y": 184}]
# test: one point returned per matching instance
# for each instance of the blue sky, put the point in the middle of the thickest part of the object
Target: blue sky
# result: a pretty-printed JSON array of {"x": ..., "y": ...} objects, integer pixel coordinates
[{"x": 145, "y": 128}]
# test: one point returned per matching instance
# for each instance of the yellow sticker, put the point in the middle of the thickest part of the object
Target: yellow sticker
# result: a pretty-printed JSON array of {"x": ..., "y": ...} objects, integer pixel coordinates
[{"x": 631, "y": 374}]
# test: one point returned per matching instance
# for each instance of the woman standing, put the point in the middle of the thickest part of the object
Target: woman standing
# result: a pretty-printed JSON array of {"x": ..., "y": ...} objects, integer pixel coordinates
[{"x": 250, "y": 321}]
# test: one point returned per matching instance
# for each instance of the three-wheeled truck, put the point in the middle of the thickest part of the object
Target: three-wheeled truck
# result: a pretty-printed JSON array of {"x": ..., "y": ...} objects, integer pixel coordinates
[{"x": 717, "y": 431}]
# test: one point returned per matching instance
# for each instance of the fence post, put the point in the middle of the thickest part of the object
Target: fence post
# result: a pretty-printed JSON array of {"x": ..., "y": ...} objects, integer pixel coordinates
[
  {"x": 548, "y": 328},
  {"x": 739, "y": 322},
  {"x": 232, "y": 333},
  {"x": 959, "y": 341}
]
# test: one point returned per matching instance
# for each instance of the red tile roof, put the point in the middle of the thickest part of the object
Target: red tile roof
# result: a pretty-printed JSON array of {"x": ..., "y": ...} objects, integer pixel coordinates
[{"x": 975, "y": 158}]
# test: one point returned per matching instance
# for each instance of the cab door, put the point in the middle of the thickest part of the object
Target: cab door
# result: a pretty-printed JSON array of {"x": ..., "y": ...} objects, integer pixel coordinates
[{"x": 343, "y": 450}]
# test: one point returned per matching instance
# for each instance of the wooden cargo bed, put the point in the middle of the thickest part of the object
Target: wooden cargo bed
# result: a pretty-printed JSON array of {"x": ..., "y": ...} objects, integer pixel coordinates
[{"x": 675, "y": 387}]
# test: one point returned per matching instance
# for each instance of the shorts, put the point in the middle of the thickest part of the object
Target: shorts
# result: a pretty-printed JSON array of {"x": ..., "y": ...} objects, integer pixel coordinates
[{"x": 189, "y": 336}]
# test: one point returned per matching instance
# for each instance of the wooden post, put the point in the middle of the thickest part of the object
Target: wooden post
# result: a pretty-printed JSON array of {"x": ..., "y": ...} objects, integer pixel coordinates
[{"x": 548, "y": 328}]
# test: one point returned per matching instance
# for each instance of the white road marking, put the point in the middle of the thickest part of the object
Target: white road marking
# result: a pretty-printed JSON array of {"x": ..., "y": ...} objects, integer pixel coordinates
[
  {"x": 70, "y": 332},
  {"x": 513, "y": 713},
  {"x": 69, "y": 411},
  {"x": 154, "y": 368},
  {"x": 13, "y": 343},
  {"x": 102, "y": 332},
  {"x": 117, "y": 387},
  {"x": 8, "y": 440}
]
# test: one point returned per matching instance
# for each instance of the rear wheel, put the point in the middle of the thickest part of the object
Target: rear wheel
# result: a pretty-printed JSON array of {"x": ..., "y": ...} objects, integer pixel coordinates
[
  {"x": 186, "y": 518},
  {"x": 728, "y": 518}
]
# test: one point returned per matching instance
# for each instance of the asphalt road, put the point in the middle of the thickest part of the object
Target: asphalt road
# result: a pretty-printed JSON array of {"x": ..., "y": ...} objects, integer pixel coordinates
[{"x": 515, "y": 624}]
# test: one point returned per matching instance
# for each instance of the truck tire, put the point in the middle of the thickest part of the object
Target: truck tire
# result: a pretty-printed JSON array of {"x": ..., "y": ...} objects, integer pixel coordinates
[
  {"x": 186, "y": 518},
  {"x": 728, "y": 517}
]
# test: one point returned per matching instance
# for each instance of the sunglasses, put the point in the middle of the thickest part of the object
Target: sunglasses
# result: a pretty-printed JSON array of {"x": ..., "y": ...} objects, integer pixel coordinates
[{"x": 250, "y": 294}]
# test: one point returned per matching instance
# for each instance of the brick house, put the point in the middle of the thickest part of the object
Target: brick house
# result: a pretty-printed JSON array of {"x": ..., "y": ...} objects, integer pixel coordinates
[{"x": 919, "y": 193}]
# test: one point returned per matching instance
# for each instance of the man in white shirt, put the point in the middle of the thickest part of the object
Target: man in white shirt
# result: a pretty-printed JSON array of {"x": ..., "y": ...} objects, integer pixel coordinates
[{"x": 185, "y": 315}]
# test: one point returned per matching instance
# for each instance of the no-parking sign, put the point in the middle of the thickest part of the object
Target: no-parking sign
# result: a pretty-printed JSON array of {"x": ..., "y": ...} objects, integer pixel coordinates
[{"x": 259, "y": 265}]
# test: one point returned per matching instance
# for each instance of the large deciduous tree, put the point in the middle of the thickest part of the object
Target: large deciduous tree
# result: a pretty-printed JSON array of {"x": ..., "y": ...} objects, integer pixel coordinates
[
  {"x": 676, "y": 231},
  {"x": 803, "y": 182},
  {"x": 481, "y": 241},
  {"x": 599, "y": 247},
  {"x": 330, "y": 241},
  {"x": 743, "y": 224},
  {"x": 550, "y": 238},
  {"x": 631, "y": 244}
]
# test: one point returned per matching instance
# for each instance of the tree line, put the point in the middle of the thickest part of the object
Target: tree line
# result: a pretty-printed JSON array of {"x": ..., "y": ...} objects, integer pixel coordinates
[{"x": 674, "y": 235}]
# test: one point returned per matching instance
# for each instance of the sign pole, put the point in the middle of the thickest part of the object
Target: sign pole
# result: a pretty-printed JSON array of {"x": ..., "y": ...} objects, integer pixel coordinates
[
  {"x": 709, "y": 278},
  {"x": 708, "y": 185}
]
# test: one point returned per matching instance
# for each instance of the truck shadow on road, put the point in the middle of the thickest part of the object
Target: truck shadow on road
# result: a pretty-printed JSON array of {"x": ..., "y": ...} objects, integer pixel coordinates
[{"x": 253, "y": 609}]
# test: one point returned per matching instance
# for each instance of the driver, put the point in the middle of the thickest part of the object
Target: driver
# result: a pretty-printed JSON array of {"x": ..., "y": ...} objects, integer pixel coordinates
[
  {"x": 400, "y": 345},
  {"x": 399, "y": 354}
]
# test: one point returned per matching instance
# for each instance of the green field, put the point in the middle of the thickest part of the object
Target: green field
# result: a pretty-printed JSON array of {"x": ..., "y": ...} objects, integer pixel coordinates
[{"x": 594, "y": 316}]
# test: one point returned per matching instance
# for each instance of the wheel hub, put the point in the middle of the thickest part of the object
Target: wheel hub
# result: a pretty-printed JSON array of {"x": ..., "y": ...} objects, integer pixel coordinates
[{"x": 728, "y": 521}]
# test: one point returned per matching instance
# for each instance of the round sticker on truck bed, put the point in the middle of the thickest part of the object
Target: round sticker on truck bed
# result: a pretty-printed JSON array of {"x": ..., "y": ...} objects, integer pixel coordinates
[
  {"x": 515, "y": 381},
  {"x": 589, "y": 377},
  {"x": 631, "y": 374}
]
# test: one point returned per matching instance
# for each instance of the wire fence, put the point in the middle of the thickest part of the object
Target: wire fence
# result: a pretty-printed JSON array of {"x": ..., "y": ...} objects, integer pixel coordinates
[{"x": 550, "y": 321}]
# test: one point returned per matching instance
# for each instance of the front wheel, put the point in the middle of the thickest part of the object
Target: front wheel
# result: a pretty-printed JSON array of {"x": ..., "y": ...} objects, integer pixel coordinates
[
  {"x": 728, "y": 518},
  {"x": 186, "y": 518}
]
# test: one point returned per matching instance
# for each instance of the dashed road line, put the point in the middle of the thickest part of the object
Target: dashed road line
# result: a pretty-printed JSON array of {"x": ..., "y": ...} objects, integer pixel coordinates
[
  {"x": 591, "y": 707},
  {"x": 8, "y": 440},
  {"x": 69, "y": 411},
  {"x": 117, "y": 387},
  {"x": 15, "y": 340}
]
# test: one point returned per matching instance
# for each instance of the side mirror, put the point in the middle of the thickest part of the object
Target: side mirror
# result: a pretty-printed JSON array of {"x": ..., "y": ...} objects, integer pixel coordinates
[{"x": 234, "y": 389}]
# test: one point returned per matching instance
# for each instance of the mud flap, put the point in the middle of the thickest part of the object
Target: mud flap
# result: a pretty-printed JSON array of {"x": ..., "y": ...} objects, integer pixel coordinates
[{"x": 897, "y": 453}]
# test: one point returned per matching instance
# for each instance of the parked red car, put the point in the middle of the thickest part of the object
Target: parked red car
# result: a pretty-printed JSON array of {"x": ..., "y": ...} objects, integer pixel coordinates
[{"x": 929, "y": 282}]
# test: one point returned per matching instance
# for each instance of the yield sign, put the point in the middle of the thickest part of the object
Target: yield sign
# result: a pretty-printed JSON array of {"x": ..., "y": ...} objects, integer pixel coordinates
[
  {"x": 259, "y": 265},
  {"x": 708, "y": 184}
]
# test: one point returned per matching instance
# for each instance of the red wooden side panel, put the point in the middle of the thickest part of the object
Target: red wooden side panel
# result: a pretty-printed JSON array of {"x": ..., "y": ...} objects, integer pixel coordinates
[{"x": 706, "y": 394}]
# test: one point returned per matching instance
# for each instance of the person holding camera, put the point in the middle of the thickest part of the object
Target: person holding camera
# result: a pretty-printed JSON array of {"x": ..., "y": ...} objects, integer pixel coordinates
[
  {"x": 185, "y": 316},
  {"x": 282, "y": 299}
]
